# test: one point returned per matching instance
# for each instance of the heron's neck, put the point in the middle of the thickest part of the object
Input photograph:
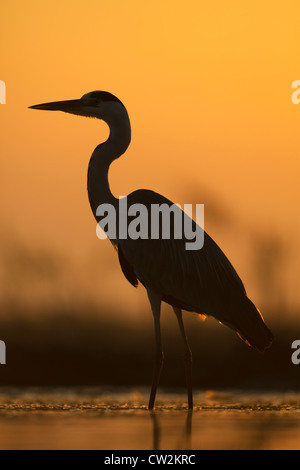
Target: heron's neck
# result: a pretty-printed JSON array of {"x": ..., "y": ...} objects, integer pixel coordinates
[{"x": 104, "y": 154}]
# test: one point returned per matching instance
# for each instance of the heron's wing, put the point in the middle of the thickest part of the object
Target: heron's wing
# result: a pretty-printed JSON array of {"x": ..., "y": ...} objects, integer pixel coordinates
[
  {"x": 198, "y": 280},
  {"x": 202, "y": 281}
]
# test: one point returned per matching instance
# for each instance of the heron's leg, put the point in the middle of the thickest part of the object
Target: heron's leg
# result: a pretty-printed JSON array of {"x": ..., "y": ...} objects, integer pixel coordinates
[
  {"x": 187, "y": 357},
  {"x": 155, "y": 301}
]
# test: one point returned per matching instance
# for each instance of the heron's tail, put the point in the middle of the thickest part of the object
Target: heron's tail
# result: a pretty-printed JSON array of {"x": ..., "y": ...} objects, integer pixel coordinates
[{"x": 250, "y": 326}]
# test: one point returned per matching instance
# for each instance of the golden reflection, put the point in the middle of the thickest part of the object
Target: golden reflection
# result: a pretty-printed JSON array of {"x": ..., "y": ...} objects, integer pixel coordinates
[{"x": 185, "y": 440}]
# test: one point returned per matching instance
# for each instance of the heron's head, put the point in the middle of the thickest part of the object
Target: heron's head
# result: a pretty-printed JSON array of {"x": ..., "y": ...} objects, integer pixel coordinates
[{"x": 97, "y": 104}]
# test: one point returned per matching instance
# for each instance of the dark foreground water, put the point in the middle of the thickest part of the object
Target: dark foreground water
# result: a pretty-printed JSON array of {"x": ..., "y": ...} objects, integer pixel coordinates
[{"x": 93, "y": 418}]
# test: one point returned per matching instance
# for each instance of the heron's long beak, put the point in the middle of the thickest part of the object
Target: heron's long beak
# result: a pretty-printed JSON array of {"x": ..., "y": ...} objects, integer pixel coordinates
[{"x": 68, "y": 106}]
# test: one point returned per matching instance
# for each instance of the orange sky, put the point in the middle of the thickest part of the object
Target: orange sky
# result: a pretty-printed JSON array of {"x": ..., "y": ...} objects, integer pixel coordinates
[{"x": 208, "y": 89}]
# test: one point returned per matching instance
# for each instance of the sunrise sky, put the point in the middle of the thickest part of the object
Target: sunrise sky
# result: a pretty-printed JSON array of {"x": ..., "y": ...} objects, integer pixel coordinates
[{"x": 208, "y": 88}]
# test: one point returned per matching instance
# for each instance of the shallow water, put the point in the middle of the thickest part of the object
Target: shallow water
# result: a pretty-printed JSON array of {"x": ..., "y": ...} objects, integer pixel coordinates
[{"x": 94, "y": 418}]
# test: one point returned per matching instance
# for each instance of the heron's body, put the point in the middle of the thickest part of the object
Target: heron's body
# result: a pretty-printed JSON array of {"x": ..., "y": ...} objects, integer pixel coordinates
[{"x": 201, "y": 281}]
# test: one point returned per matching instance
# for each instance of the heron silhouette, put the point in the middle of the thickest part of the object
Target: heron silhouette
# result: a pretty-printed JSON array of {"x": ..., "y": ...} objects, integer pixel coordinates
[{"x": 201, "y": 281}]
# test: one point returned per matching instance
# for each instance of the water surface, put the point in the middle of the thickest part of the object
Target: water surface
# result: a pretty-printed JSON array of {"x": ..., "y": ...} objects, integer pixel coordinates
[{"x": 95, "y": 418}]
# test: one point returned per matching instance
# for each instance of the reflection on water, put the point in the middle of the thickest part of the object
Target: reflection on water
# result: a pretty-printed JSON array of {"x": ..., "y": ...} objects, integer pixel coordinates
[
  {"x": 184, "y": 441},
  {"x": 113, "y": 420}
]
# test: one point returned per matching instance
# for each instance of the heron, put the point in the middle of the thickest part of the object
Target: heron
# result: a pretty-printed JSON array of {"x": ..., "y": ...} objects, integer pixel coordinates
[{"x": 202, "y": 281}]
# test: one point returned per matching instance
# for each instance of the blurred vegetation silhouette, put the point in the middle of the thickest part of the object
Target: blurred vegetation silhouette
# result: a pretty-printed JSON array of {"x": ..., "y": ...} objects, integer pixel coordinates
[{"x": 57, "y": 333}]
